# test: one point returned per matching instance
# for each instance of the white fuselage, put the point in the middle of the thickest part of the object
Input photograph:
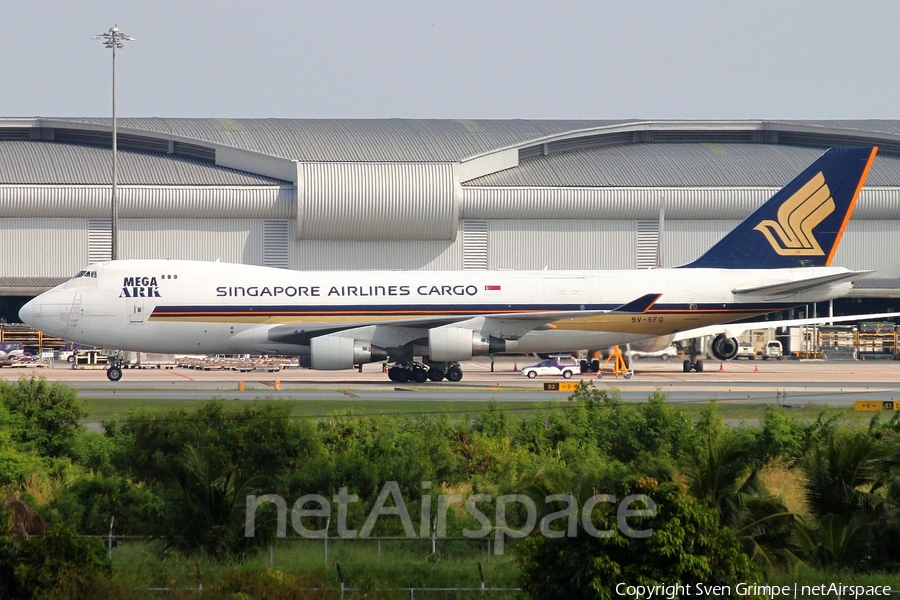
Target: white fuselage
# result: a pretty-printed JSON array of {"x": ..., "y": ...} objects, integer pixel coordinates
[{"x": 200, "y": 307}]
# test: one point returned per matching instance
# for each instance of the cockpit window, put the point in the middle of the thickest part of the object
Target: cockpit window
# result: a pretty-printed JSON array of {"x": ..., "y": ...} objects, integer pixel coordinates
[{"x": 85, "y": 274}]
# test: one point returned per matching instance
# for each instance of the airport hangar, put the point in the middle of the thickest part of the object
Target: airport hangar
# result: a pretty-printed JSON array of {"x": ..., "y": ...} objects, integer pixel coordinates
[{"x": 417, "y": 194}]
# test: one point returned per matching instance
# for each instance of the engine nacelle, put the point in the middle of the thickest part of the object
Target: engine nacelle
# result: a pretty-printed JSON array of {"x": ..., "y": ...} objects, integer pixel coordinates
[
  {"x": 653, "y": 344},
  {"x": 724, "y": 348},
  {"x": 332, "y": 353},
  {"x": 453, "y": 344}
]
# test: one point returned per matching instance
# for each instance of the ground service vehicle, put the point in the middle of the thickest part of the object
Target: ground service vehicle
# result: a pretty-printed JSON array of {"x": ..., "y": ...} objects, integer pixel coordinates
[
  {"x": 557, "y": 366},
  {"x": 773, "y": 350},
  {"x": 746, "y": 350}
]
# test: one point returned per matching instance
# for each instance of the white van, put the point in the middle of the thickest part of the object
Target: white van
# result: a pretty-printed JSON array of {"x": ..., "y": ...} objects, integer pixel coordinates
[{"x": 773, "y": 350}]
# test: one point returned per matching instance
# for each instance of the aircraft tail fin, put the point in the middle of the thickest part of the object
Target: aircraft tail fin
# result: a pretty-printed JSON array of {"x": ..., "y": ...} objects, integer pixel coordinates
[{"x": 802, "y": 224}]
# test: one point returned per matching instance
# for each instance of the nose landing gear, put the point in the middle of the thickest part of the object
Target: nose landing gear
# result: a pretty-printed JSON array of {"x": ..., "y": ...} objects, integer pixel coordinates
[{"x": 114, "y": 370}]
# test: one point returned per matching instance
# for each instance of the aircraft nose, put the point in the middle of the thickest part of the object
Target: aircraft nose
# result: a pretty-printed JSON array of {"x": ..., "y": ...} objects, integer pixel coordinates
[
  {"x": 49, "y": 312},
  {"x": 26, "y": 313}
]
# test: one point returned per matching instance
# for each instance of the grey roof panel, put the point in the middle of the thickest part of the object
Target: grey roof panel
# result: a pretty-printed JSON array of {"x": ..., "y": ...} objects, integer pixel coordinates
[
  {"x": 662, "y": 165},
  {"x": 864, "y": 126},
  {"x": 577, "y": 154},
  {"x": 425, "y": 140},
  {"x": 55, "y": 163}
]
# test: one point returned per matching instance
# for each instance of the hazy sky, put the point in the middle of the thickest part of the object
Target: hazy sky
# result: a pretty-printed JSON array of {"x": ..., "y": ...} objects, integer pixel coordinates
[{"x": 660, "y": 59}]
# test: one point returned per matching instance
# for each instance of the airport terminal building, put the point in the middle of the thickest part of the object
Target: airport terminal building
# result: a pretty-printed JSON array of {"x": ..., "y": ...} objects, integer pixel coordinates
[{"x": 412, "y": 194}]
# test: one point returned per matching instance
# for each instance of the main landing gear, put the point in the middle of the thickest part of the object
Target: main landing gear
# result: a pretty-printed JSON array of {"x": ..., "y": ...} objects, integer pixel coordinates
[
  {"x": 420, "y": 373},
  {"x": 694, "y": 349}
]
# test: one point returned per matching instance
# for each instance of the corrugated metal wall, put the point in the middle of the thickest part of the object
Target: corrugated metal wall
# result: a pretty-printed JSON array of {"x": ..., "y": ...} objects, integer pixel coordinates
[
  {"x": 647, "y": 244},
  {"x": 375, "y": 255},
  {"x": 475, "y": 245},
  {"x": 99, "y": 240},
  {"x": 870, "y": 245},
  {"x": 643, "y": 203},
  {"x": 43, "y": 247},
  {"x": 228, "y": 240},
  {"x": 530, "y": 244},
  {"x": 276, "y": 244},
  {"x": 684, "y": 241},
  {"x": 59, "y": 247},
  {"x": 377, "y": 201},
  {"x": 866, "y": 244},
  {"x": 609, "y": 203},
  {"x": 143, "y": 202}
]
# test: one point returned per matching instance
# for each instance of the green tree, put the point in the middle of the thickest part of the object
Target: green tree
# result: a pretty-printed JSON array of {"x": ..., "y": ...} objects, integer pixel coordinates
[
  {"x": 262, "y": 439},
  {"x": 56, "y": 565},
  {"x": 842, "y": 480},
  {"x": 720, "y": 471},
  {"x": 687, "y": 546},
  {"x": 206, "y": 511},
  {"x": 45, "y": 415},
  {"x": 840, "y": 471},
  {"x": 90, "y": 501},
  {"x": 782, "y": 436}
]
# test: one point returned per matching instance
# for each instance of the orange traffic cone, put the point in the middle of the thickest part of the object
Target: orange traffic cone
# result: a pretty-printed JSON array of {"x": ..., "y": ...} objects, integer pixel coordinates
[
  {"x": 756, "y": 368},
  {"x": 721, "y": 367}
]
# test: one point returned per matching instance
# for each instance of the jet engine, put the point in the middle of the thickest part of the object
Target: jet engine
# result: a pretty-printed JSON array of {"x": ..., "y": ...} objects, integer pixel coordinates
[
  {"x": 332, "y": 353},
  {"x": 724, "y": 348},
  {"x": 453, "y": 344}
]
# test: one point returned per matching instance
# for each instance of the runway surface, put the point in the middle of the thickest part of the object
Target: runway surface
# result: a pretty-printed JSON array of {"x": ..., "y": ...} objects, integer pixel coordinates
[{"x": 801, "y": 382}]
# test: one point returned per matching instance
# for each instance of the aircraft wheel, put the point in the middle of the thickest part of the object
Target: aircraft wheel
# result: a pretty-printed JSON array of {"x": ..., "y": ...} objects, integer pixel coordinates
[
  {"x": 454, "y": 374},
  {"x": 687, "y": 366},
  {"x": 392, "y": 373},
  {"x": 698, "y": 366},
  {"x": 401, "y": 376},
  {"x": 532, "y": 374},
  {"x": 567, "y": 374},
  {"x": 420, "y": 375},
  {"x": 435, "y": 374},
  {"x": 114, "y": 373}
]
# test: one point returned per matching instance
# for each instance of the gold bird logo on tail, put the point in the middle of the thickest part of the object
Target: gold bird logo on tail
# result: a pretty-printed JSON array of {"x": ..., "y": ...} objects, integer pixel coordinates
[{"x": 797, "y": 217}]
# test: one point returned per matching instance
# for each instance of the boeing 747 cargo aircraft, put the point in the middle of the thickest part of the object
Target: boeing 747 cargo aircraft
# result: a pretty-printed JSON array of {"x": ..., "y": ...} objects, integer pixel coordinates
[{"x": 427, "y": 322}]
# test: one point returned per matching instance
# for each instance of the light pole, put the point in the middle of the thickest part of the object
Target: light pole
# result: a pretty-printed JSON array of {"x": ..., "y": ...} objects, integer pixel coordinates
[{"x": 114, "y": 39}]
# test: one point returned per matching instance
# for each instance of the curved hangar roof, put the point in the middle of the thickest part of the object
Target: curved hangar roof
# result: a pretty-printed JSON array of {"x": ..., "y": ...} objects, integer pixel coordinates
[{"x": 407, "y": 179}]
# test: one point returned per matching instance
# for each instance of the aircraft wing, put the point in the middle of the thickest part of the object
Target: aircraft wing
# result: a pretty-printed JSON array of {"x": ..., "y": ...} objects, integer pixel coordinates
[
  {"x": 736, "y": 329},
  {"x": 521, "y": 322}
]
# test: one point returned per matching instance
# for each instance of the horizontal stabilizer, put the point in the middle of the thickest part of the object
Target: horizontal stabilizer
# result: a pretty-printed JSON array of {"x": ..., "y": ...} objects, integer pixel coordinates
[{"x": 789, "y": 288}]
